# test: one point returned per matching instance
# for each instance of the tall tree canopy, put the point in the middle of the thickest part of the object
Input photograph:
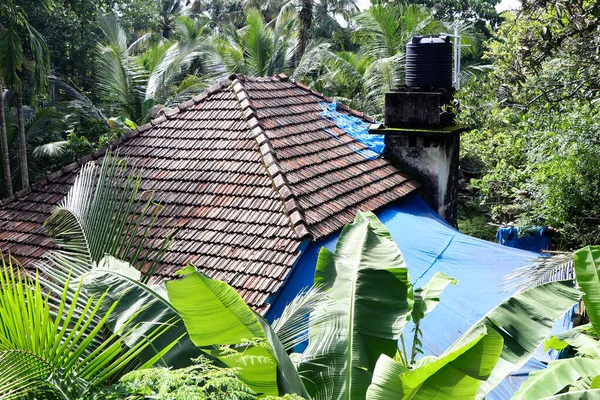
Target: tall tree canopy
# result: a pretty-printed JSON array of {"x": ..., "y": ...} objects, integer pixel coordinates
[{"x": 536, "y": 144}]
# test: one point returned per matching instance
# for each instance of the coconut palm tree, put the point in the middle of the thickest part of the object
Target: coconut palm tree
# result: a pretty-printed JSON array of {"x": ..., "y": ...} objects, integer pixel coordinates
[
  {"x": 258, "y": 49},
  {"x": 120, "y": 80},
  {"x": 384, "y": 30},
  {"x": 169, "y": 9},
  {"x": 13, "y": 64},
  {"x": 169, "y": 64},
  {"x": 361, "y": 79},
  {"x": 305, "y": 18},
  {"x": 307, "y": 13},
  {"x": 4, "y": 139}
]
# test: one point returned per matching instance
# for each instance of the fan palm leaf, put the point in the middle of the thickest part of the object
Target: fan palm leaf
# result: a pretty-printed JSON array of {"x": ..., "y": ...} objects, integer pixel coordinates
[{"x": 49, "y": 339}]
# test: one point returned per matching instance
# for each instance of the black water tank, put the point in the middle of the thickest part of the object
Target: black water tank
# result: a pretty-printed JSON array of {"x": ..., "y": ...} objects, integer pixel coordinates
[{"x": 429, "y": 62}]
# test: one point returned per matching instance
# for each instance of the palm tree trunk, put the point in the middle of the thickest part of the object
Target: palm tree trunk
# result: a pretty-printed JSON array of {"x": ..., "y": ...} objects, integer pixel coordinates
[
  {"x": 306, "y": 16},
  {"x": 4, "y": 140},
  {"x": 22, "y": 142}
]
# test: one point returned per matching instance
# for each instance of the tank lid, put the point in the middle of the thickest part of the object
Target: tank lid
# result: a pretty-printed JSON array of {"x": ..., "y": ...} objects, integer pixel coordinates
[{"x": 430, "y": 39}]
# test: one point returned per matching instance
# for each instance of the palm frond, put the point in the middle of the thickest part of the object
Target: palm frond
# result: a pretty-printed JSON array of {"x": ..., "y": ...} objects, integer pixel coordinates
[
  {"x": 543, "y": 270},
  {"x": 41, "y": 56},
  {"x": 103, "y": 214},
  {"x": 11, "y": 63},
  {"x": 292, "y": 326},
  {"x": 191, "y": 86},
  {"x": 189, "y": 29},
  {"x": 49, "y": 337},
  {"x": 175, "y": 64},
  {"x": 381, "y": 76},
  {"x": 77, "y": 100},
  {"x": 114, "y": 32},
  {"x": 52, "y": 149},
  {"x": 121, "y": 81},
  {"x": 139, "y": 44},
  {"x": 21, "y": 373},
  {"x": 474, "y": 71}
]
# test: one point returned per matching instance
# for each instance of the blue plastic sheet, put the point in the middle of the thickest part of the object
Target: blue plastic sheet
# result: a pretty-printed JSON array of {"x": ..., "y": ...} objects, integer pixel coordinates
[
  {"x": 355, "y": 127},
  {"x": 533, "y": 239},
  {"x": 429, "y": 245}
]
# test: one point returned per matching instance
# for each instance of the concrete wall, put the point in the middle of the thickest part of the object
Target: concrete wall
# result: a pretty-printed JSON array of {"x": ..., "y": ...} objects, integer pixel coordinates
[{"x": 432, "y": 161}]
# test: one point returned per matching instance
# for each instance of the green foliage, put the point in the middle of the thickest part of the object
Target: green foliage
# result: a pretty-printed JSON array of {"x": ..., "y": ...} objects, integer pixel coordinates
[
  {"x": 200, "y": 381},
  {"x": 214, "y": 313},
  {"x": 587, "y": 273},
  {"x": 427, "y": 297},
  {"x": 78, "y": 224},
  {"x": 49, "y": 344},
  {"x": 475, "y": 224},
  {"x": 354, "y": 348},
  {"x": 535, "y": 116},
  {"x": 259, "y": 49},
  {"x": 573, "y": 378},
  {"x": 560, "y": 376},
  {"x": 480, "y": 11},
  {"x": 17, "y": 32}
]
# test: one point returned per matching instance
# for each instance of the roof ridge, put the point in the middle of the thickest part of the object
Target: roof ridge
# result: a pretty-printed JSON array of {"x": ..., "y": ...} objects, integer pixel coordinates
[
  {"x": 113, "y": 144},
  {"x": 291, "y": 205}
]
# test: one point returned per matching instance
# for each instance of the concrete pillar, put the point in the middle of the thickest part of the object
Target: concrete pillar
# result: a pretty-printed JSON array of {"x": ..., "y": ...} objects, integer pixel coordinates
[{"x": 422, "y": 140}]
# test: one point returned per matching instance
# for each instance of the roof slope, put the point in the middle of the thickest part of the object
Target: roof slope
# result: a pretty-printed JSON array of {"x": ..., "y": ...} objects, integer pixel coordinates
[{"x": 246, "y": 172}]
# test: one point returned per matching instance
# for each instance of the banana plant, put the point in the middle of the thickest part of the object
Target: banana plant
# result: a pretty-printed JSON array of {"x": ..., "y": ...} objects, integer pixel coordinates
[
  {"x": 372, "y": 298},
  {"x": 578, "y": 376},
  {"x": 356, "y": 346},
  {"x": 456, "y": 374},
  {"x": 513, "y": 331}
]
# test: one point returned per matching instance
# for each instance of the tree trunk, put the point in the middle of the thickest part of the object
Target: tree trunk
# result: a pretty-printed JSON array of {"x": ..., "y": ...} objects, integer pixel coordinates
[
  {"x": 22, "y": 142},
  {"x": 4, "y": 140},
  {"x": 306, "y": 16}
]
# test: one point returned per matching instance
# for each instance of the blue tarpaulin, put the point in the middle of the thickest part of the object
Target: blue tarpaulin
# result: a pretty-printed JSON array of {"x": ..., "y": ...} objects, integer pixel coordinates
[
  {"x": 532, "y": 239},
  {"x": 355, "y": 127},
  {"x": 429, "y": 245}
]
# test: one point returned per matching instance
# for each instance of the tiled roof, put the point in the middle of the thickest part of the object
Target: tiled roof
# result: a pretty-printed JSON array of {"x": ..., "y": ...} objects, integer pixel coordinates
[{"x": 246, "y": 172}]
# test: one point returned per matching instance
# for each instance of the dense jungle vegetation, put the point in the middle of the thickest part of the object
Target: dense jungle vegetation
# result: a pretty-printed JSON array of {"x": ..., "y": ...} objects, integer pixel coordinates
[{"x": 76, "y": 74}]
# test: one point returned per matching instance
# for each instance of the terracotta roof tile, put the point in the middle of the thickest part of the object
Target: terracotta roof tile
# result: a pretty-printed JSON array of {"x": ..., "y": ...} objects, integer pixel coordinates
[{"x": 245, "y": 172}]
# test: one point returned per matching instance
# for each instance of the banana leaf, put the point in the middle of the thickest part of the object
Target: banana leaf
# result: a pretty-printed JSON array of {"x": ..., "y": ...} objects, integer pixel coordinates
[
  {"x": 578, "y": 395},
  {"x": 587, "y": 269},
  {"x": 456, "y": 374},
  {"x": 577, "y": 338},
  {"x": 147, "y": 308},
  {"x": 214, "y": 313},
  {"x": 427, "y": 297},
  {"x": 524, "y": 321},
  {"x": 371, "y": 301},
  {"x": 559, "y": 375}
]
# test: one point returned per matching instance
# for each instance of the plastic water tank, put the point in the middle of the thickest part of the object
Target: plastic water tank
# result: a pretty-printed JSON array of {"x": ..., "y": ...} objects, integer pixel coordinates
[{"x": 429, "y": 62}]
